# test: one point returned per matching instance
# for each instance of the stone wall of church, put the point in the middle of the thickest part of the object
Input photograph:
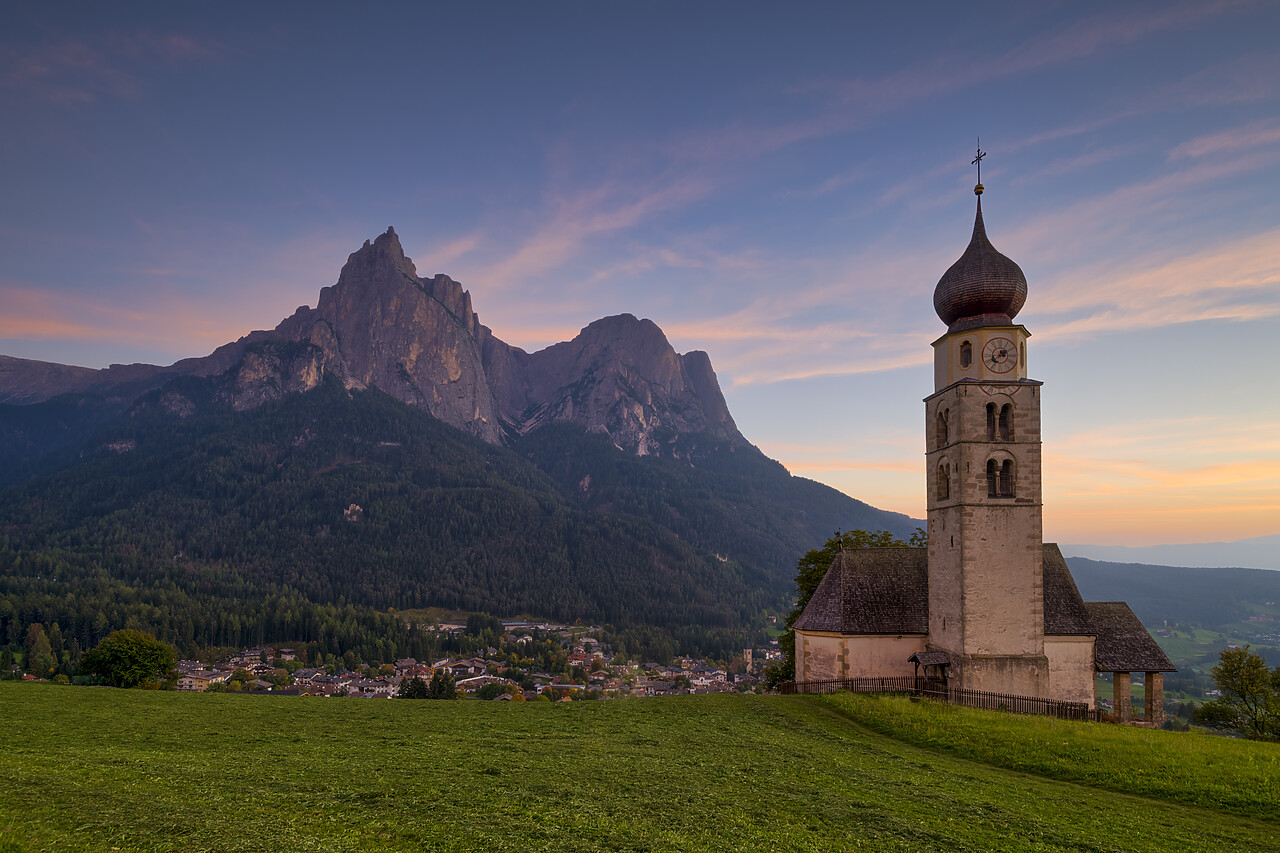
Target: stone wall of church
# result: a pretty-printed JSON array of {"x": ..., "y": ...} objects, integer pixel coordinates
[
  {"x": 985, "y": 550},
  {"x": 822, "y": 655},
  {"x": 1017, "y": 675},
  {"x": 1003, "y": 595},
  {"x": 1071, "y": 669}
]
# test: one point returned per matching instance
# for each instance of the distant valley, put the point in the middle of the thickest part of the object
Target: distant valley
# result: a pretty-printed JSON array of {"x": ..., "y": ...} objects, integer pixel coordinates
[{"x": 1262, "y": 552}]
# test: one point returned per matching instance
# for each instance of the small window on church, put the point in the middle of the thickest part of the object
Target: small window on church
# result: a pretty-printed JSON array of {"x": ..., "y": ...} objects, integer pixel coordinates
[
  {"x": 966, "y": 354},
  {"x": 1000, "y": 479},
  {"x": 943, "y": 416},
  {"x": 1006, "y": 422},
  {"x": 1006, "y": 479},
  {"x": 944, "y": 482},
  {"x": 991, "y": 421}
]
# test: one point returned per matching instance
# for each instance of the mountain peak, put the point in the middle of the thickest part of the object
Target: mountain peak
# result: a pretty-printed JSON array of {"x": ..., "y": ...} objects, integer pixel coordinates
[
  {"x": 420, "y": 341},
  {"x": 383, "y": 258}
]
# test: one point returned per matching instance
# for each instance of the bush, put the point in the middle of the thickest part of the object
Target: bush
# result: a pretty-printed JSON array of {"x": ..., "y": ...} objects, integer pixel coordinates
[
  {"x": 1250, "y": 700},
  {"x": 131, "y": 659}
]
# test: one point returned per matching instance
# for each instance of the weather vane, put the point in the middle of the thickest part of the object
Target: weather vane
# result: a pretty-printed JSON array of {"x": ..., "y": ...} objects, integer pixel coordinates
[{"x": 977, "y": 161}]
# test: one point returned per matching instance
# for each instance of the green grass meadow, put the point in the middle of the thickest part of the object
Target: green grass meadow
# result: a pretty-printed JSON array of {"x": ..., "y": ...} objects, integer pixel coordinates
[
  {"x": 101, "y": 769},
  {"x": 1235, "y": 776}
]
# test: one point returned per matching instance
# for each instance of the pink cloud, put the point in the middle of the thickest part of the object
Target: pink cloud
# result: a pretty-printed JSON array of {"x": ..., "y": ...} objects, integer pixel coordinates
[
  {"x": 1252, "y": 77},
  {"x": 113, "y": 65},
  {"x": 33, "y": 314},
  {"x": 1255, "y": 135},
  {"x": 577, "y": 218},
  {"x": 848, "y": 103}
]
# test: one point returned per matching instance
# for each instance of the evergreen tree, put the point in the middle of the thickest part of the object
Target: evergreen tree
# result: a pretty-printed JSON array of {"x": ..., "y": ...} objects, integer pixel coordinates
[
  {"x": 56, "y": 643},
  {"x": 40, "y": 659},
  {"x": 442, "y": 686},
  {"x": 413, "y": 688}
]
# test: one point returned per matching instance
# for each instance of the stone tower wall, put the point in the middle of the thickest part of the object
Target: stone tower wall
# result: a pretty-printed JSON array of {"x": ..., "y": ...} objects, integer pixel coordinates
[{"x": 986, "y": 604}]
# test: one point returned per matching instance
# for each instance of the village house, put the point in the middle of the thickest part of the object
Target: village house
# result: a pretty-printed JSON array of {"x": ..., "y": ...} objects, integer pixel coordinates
[{"x": 202, "y": 679}]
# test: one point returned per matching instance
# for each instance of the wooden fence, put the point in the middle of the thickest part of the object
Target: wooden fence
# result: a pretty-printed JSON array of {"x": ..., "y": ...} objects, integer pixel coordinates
[{"x": 934, "y": 689}]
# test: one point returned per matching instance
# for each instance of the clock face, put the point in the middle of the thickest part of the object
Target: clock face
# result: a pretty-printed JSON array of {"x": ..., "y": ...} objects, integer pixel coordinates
[{"x": 1000, "y": 355}]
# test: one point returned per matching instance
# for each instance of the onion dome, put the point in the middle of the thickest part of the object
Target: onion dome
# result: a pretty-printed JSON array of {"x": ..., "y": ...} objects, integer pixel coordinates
[{"x": 983, "y": 288}]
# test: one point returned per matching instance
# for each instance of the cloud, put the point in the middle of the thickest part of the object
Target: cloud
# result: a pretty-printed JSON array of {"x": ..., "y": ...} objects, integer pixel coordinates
[
  {"x": 167, "y": 324},
  {"x": 847, "y": 104},
  {"x": 439, "y": 257},
  {"x": 577, "y": 217},
  {"x": 1157, "y": 480},
  {"x": 1255, "y": 135},
  {"x": 112, "y": 65},
  {"x": 1239, "y": 280},
  {"x": 833, "y": 183},
  {"x": 1244, "y": 79},
  {"x": 1070, "y": 165}
]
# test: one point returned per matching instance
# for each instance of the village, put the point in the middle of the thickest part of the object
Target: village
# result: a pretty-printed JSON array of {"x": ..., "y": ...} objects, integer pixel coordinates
[{"x": 529, "y": 662}]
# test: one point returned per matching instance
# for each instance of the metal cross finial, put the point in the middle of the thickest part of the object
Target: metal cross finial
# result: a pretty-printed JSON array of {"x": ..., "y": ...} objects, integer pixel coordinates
[{"x": 977, "y": 161}]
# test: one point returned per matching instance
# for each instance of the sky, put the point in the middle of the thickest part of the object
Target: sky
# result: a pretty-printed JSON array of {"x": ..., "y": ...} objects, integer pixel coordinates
[{"x": 780, "y": 185}]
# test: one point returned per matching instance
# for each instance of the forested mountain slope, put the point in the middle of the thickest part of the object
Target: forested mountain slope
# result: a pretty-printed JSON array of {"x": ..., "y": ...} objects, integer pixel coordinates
[
  {"x": 1209, "y": 597},
  {"x": 384, "y": 449},
  {"x": 200, "y": 499}
]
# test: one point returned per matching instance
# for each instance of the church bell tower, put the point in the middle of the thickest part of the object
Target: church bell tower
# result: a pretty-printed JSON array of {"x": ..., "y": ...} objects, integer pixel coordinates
[{"x": 982, "y": 427}]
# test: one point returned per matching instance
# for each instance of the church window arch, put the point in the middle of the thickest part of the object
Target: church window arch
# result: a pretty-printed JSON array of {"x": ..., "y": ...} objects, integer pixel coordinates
[
  {"x": 1006, "y": 422},
  {"x": 966, "y": 353},
  {"x": 944, "y": 416},
  {"x": 944, "y": 481},
  {"x": 1000, "y": 478},
  {"x": 991, "y": 421}
]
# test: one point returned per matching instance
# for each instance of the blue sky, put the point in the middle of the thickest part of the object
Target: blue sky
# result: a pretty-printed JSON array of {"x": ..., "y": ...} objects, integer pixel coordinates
[{"x": 779, "y": 185}]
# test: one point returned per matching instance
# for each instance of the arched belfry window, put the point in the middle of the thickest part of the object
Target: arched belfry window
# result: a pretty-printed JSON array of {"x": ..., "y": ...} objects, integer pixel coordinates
[
  {"x": 944, "y": 481},
  {"x": 944, "y": 415},
  {"x": 1006, "y": 422},
  {"x": 1000, "y": 482},
  {"x": 966, "y": 354},
  {"x": 991, "y": 421}
]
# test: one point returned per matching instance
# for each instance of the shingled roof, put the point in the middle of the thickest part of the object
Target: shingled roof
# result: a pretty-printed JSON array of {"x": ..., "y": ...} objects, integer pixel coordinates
[
  {"x": 1123, "y": 645},
  {"x": 1064, "y": 610},
  {"x": 872, "y": 591}
]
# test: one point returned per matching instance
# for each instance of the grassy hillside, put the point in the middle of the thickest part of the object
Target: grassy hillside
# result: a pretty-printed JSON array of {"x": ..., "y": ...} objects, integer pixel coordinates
[
  {"x": 94, "y": 769},
  {"x": 1229, "y": 775}
]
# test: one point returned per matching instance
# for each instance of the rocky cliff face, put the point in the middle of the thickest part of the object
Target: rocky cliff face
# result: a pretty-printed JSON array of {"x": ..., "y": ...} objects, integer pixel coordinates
[
  {"x": 620, "y": 375},
  {"x": 416, "y": 339},
  {"x": 419, "y": 340}
]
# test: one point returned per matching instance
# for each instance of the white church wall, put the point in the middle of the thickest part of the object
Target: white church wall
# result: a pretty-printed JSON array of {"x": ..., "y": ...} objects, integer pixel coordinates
[
  {"x": 823, "y": 655},
  {"x": 1071, "y": 670}
]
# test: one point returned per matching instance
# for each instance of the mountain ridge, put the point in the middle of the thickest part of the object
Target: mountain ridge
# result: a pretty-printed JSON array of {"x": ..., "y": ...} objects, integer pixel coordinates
[
  {"x": 421, "y": 341},
  {"x": 383, "y": 449},
  {"x": 1258, "y": 552}
]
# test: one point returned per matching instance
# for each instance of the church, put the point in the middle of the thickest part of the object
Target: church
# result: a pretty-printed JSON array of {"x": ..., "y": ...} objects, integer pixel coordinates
[{"x": 987, "y": 605}]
